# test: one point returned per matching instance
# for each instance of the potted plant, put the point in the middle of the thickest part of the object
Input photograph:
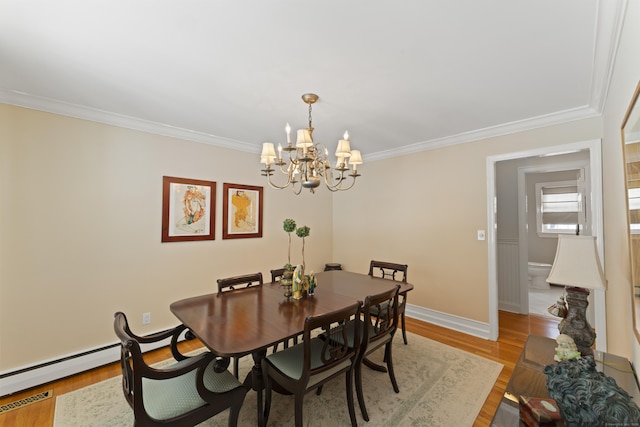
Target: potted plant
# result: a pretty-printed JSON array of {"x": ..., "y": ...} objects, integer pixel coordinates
[
  {"x": 303, "y": 232},
  {"x": 289, "y": 225}
]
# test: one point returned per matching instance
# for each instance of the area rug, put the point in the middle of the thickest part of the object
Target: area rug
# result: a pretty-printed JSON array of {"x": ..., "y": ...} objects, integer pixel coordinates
[{"x": 439, "y": 386}]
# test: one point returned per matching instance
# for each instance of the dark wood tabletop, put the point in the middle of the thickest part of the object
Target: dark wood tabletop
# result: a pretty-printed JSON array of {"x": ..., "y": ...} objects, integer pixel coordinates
[{"x": 252, "y": 319}]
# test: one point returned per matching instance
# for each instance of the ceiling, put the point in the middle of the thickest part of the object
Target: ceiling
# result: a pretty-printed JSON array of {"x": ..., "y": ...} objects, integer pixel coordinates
[{"x": 399, "y": 76}]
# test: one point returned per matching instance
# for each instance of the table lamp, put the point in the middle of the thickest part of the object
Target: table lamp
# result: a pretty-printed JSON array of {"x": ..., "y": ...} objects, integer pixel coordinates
[{"x": 577, "y": 267}]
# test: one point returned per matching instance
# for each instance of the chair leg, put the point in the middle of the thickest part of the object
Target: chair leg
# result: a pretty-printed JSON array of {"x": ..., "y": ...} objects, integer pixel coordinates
[
  {"x": 360, "y": 394},
  {"x": 404, "y": 329},
  {"x": 298, "y": 405},
  {"x": 234, "y": 411},
  {"x": 267, "y": 397},
  {"x": 392, "y": 375},
  {"x": 352, "y": 410}
]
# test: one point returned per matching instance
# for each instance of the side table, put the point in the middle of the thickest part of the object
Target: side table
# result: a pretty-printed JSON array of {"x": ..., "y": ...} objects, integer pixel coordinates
[{"x": 529, "y": 380}]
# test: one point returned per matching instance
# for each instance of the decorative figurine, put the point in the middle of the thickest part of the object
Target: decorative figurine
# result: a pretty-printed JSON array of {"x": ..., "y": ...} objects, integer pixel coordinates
[
  {"x": 312, "y": 284},
  {"x": 566, "y": 348},
  {"x": 298, "y": 282}
]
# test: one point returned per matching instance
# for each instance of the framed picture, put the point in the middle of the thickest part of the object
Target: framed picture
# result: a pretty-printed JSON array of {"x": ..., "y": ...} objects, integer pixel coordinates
[
  {"x": 241, "y": 211},
  {"x": 188, "y": 209}
]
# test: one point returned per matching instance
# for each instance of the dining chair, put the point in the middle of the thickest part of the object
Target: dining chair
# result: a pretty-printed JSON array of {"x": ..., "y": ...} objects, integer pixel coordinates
[
  {"x": 315, "y": 361},
  {"x": 377, "y": 331},
  {"x": 397, "y": 272},
  {"x": 276, "y": 274},
  {"x": 229, "y": 284},
  {"x": 186, "y": 392},
  {"x": 239, "y": 282}
]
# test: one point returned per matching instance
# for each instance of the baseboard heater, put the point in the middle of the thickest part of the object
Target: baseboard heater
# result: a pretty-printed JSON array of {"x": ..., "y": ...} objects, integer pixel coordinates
[{"x": 51, "y": 370}]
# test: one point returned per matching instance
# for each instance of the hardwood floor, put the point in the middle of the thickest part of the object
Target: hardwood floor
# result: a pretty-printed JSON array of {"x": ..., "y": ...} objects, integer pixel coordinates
[{"x": 514, "y": 329}]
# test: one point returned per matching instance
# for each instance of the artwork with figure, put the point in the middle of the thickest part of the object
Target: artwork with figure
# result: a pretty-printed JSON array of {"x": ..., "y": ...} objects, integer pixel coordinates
[
  {"x": 188, "y": 209},
  {"x": 242, "y": 216},
  {"x": 193, "y": 201},
  {"x": 243, "y": 211}
]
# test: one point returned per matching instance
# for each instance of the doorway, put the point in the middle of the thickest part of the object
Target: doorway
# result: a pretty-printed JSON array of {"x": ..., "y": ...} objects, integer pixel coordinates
[{"x": 593, "y": 147}]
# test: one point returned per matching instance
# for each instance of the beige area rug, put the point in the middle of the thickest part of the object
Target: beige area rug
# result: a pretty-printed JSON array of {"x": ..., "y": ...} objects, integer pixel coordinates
[{"x": 439, "y": 386}]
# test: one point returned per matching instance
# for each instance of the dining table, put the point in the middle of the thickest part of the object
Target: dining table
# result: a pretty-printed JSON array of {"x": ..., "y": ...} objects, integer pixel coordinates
[{"x": 253, "y": 319}]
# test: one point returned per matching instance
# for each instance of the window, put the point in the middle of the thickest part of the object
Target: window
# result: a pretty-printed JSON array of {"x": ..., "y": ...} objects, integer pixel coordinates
[{"x": 559, "y": 208}]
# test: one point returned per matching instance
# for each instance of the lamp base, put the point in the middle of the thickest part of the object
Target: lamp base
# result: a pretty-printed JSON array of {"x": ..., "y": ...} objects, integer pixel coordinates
[{"x": 575, "y": 324}]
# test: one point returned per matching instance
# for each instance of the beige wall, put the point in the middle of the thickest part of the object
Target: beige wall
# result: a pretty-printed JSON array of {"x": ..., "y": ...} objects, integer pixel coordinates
[
  {"x": 80, "y": 223},
  {"x": 424, "y": 210}
]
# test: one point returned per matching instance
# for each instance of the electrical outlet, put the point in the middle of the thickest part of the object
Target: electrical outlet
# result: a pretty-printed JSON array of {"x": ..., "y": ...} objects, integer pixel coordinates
[
  {"x": 481, "y": 235},
  {"x": 146, "y": 318}
]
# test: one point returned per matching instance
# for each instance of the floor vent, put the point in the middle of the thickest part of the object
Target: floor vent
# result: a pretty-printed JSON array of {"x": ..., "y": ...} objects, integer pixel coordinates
[{"x": 25, "y": 401}]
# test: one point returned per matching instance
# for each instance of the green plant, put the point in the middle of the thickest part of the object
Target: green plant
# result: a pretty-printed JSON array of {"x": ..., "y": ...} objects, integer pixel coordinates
[
  {"x": 289, "y": 225},
  {"x": 303, "y": 232}
]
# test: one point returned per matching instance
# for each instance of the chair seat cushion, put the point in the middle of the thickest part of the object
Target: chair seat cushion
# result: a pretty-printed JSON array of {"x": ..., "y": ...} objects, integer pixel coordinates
[
  {"x": 168, "y": 398},
  {"x": 290, "y": 360}
]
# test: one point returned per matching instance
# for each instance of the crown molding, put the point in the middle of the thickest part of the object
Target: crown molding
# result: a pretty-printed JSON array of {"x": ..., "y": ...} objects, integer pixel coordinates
[
  {"x": 489, "y": 132},
  {"x": 48, "y": 105}
]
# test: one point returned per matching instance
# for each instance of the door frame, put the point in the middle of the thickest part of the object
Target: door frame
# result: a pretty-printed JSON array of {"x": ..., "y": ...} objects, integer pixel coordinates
[{"x": 594, "y": 147}]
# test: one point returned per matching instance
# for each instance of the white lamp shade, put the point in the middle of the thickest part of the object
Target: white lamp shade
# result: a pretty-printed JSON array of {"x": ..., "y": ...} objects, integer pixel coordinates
[
  {"x": 577, "y": 263},
  {"x": 344, "y": 149},
  {"x": 304, "y": 138},
  {"x": 268, "y": 153},
  {"x": 268, "y": 150},
  {"x": 356, "y": 158}
]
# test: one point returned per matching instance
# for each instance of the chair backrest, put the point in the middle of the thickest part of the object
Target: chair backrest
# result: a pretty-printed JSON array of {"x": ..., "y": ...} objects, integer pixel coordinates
[
  {"x": 388, "y": 270},
  {"x": 189, "y": 380},
  {"x": 335, "y": 349},
  {"x": 134, "y": 368},
  {"x": 276, "y": 274},
  {"x": 238, "y": 282},
  {"x": 380, "y": 319}
]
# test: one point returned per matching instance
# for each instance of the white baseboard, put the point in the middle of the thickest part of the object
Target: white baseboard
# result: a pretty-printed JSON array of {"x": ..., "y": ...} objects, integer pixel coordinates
[
  {"x": 46, "y": 371},
  {"x": 449, "y": 321}
]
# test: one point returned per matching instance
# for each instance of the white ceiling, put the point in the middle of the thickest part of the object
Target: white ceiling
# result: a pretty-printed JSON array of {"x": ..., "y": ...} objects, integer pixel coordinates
[{"x": 403, "y": 76}]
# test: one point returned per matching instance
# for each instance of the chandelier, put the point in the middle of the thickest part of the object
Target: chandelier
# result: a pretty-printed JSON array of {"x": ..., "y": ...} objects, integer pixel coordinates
[{"x": 307, "y": 163}]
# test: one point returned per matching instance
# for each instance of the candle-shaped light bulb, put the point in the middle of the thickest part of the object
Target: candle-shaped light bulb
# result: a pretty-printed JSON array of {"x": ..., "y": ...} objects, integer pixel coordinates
[
  {"x": 287, "y": 128},
  {"x": 346, "y": 135},
  {"x": 279, "y": 151}
]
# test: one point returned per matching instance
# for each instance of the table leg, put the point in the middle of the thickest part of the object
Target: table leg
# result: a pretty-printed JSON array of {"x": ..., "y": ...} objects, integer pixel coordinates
[{"x": 257, "y": 383}]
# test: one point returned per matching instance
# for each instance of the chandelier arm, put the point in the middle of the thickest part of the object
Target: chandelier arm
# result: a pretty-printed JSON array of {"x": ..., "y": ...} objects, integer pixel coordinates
[
  {"x": 274, "y": 185},
  {"x": 338, "y": 185},
  {"x": 341, "y": 180},
  {"x": 293, "y": 188}
]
